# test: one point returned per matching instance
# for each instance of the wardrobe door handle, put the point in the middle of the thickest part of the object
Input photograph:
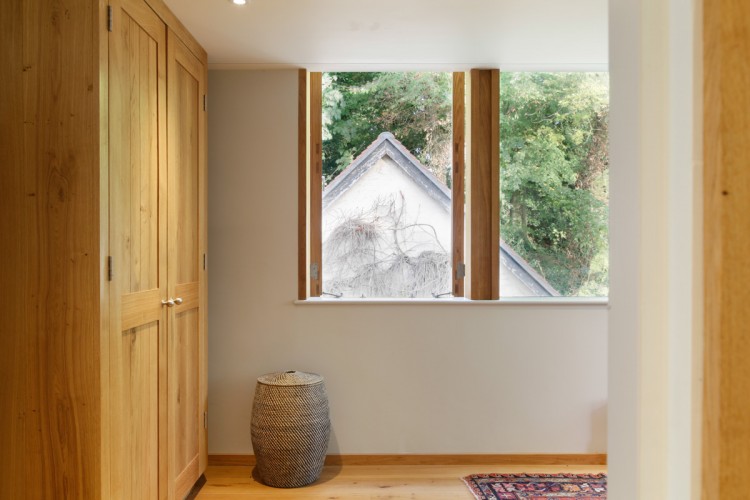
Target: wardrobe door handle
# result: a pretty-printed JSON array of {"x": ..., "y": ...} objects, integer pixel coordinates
[
  {"x": 168, "y": 303},
  {"x": 178, "y": 300}
]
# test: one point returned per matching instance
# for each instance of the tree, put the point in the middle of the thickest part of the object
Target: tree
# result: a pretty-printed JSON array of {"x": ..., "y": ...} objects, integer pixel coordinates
[
  {"x": 415, "y": 107},
  {"x": 554, "y": 176}
]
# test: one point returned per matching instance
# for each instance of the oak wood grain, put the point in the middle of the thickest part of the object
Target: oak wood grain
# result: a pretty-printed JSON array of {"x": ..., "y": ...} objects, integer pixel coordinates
[
  {"x": 16, "y": 289},
  {"x": 186, "y": 75},
  {"x": 726, "y": 136},
  {"x": 104, "y": 244},
  {"x": 51, "y": 254},
  {"x": 56, "y": 141},
  {"x": 485, "y": 184},
  {"x": 303, "y": 183},
  {"x": 140, "y": 308},
  {"x": 316, "y": 180},
  {"x": 458, "y": 184},
  {"x": 204, "y": 276},
  {"x": 138, "y": 245},
  {"x": 395, "y": 482},
  {"x": 179, "y": 29}
]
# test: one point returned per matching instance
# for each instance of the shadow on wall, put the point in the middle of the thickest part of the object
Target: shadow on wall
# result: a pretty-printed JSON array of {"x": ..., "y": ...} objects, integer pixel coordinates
[
  {"x": 598, "y": 443},
  {"x": 333, "y": 442}
]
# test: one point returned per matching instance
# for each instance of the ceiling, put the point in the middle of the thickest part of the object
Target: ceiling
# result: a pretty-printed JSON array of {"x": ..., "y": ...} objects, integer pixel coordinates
[{"x": 400, "y": 34}]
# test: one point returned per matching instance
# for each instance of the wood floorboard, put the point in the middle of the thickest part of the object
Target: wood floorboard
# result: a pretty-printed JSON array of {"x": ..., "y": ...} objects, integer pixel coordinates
[{"x": 392, "y": 482}]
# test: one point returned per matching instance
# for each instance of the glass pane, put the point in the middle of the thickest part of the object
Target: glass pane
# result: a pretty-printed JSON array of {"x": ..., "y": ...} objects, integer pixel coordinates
[
  {"x": 554, "y": 175},
  {"x": 386, "y": 227}
]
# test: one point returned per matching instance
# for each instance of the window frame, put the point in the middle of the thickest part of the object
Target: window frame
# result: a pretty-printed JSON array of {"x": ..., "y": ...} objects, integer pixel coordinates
[{"x": 475, "y": 198}]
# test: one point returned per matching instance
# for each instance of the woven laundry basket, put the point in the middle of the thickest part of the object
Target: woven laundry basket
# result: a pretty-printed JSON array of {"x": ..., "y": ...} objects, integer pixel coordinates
[{"x": 290, "y": 428}]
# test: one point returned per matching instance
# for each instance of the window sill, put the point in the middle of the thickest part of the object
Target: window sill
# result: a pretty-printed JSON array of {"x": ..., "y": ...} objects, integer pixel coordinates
[{"x": 597, "y": 302}]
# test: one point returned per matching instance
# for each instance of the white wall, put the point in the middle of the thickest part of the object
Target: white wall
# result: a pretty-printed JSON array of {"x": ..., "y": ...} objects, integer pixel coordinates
[
  {"x": 655, "y": 276},
  {"x": 400, "y": 378}
]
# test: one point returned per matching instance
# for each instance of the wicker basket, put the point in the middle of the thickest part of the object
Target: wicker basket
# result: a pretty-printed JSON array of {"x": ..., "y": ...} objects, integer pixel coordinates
[{"x": 290, "y": 428}]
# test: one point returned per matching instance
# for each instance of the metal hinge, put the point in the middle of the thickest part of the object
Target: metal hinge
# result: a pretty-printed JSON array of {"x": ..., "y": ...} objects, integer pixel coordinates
[
  {"x": 205, "y": 102},
  {"x": 205, "y": 420},
  {"x": 204, "y": 261},
  {"x": 109, "y": 18},
  {"x": 109, "y": 268},
  {"x": 314, "y": 274},
  {"x": 460, "y": 270}
]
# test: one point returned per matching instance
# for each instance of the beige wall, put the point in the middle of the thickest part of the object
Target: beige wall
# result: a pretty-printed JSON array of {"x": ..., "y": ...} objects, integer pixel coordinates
[
  {"x": 401, "y": 378},
  {"x": 655, "y": 320}
]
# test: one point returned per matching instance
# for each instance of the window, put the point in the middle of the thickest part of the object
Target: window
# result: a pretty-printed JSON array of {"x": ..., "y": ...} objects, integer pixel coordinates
[
  {"x": 383, "y": 195},
  {"x": 554, "y": 184},
  {"x": 386, "y": 201}
]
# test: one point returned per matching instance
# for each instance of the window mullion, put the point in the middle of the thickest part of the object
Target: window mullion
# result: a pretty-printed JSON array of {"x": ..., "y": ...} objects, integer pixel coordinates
[
  {"x": 316, "y": 183},
  {"x": 458, "y": 182},
  {"x": 484, "y": 185}
]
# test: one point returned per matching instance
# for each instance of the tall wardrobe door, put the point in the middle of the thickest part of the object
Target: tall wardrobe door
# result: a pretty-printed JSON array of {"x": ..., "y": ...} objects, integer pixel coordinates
[
  {"x": 187, "y": 241},
  {"x": 138, "y": 210}
]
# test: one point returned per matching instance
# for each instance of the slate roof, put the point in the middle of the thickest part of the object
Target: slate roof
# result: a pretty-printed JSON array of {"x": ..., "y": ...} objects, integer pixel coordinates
[{"x": 387, "y": 145}]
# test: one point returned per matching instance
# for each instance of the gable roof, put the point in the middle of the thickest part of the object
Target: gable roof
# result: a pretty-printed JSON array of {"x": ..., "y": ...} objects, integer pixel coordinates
[
  {"x": 387, "y": 145},
  {"x": 521, "y": 269}
]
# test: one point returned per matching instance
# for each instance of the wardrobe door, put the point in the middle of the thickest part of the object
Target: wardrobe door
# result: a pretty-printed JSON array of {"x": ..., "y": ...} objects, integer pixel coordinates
[
  {"x": 187, "y": 239},
  {"x": 138, "y": 231}
]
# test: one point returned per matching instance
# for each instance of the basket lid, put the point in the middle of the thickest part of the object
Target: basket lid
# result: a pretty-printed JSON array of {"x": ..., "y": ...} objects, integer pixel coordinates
[{"x": 290, "y": 377}]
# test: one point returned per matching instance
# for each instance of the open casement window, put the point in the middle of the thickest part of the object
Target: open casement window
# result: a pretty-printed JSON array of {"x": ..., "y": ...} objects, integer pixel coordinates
[
  {"x": 343, "y": 226},
  {"x": 525, "y": 220}
]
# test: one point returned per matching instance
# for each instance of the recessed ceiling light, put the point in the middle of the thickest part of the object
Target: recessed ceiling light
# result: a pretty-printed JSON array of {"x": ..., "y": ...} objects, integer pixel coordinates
[{"x": 239, "y": 2}]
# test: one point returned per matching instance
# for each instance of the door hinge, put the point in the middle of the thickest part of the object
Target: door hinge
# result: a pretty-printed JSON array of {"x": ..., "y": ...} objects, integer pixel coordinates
[
  {"x": 109, "y": 268},
  {"x": 109, "y": 18},
  {"x": 460, "y": 270},
  {"x": 204, "y": 261},
  {"x": 314, "y": 271},
  {"x": 205, "y": 102},
  {"x": 205, "y": 420}
]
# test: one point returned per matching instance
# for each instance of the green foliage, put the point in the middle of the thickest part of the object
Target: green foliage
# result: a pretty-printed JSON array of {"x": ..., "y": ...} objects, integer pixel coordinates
[
  {"x": 554, "y": 170},
  {"x": 415, "y": 107}
]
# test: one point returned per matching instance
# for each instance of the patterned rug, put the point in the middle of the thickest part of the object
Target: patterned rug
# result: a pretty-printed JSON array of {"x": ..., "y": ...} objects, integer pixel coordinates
[{"x": 537, "y": 486}]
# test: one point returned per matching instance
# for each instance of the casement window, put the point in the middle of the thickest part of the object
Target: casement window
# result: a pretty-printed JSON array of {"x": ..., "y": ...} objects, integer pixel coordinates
[{"x": 391, "y": 210}]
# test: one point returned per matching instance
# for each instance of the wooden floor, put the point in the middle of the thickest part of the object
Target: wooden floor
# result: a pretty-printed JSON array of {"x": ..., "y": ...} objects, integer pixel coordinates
[{"x": 394, "y": 482}]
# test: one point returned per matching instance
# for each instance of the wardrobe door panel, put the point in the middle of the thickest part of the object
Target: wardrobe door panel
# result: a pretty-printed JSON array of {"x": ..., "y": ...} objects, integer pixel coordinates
[
  {"x": 186, "y": 130},
  {"x": 138, "y": 210}
]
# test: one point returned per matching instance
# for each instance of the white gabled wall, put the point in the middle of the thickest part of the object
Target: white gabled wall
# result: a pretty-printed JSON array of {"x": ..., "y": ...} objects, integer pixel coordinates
[{"x": 400, "y": 378}]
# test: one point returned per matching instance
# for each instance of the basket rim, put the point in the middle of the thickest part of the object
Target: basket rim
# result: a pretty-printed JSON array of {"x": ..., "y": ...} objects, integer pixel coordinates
[{"x": 290, "y": 378}]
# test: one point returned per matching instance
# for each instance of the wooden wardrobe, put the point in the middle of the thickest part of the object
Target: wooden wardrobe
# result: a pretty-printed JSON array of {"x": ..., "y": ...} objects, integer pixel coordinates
[{"x": 103, "y": 177}]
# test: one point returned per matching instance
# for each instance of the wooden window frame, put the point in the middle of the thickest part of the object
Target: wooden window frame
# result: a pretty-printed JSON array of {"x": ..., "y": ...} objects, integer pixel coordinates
[
  {"x": 458, "y": 184},
  {"x": 484, "y": 224},
  {"x": 310, "y": 192},
  {"x": 484, "y": 184}
]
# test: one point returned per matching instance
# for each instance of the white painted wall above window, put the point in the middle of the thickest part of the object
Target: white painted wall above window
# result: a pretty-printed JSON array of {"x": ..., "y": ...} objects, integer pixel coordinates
[{"x": 338, "y": 35}]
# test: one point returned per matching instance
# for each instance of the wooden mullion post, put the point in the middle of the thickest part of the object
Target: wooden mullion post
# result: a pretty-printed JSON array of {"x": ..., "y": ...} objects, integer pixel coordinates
[
  {"x": 316, "y": 183},
  {"x": 303, "y": 182},
  {"x": 458, "y": 184},
  {"x": 485, "y": 184}
]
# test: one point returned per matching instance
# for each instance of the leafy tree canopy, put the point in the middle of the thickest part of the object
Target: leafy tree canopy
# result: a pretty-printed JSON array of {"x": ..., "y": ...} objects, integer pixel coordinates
[
  {"x": 415, "y": 107},
  {"x": 554, "y": 182}
]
